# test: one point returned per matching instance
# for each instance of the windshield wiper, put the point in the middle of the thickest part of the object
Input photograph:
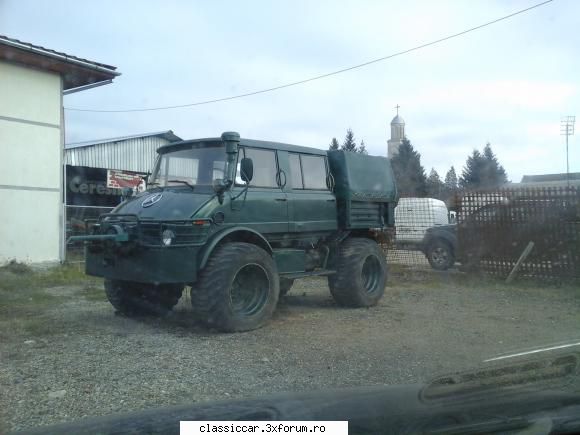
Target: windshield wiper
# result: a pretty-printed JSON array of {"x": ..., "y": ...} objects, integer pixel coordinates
[{"x": 182, "y": 182}]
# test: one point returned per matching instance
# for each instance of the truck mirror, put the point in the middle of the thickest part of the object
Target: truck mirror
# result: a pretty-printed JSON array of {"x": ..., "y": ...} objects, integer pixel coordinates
[{"x": 246, "y": 169}]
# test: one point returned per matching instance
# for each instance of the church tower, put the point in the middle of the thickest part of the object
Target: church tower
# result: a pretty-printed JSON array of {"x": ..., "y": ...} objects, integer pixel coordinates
[{"x": 397, "y": 135}]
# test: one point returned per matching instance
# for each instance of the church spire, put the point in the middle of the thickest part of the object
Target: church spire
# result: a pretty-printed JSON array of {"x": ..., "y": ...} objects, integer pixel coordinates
[{"x": 397, "y": 134}]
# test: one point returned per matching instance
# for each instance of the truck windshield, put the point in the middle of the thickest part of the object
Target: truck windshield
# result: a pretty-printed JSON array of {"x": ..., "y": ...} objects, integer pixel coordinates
[{"x": 198, "y": 166}]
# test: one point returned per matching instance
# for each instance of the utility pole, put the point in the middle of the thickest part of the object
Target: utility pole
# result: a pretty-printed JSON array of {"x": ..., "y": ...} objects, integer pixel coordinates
[{"x": 567, "y": 129}]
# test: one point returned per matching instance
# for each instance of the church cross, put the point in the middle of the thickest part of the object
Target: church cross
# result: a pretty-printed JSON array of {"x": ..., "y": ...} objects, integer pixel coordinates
[{"x": 397, "y": 107}]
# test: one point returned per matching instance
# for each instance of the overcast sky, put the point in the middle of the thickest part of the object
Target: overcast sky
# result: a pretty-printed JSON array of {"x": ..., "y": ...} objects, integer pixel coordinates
[{"x": 508, "y": 84}]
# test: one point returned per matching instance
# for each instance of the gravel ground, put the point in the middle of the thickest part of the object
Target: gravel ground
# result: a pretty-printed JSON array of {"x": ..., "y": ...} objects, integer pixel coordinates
[{"x": 76, "y": 358}]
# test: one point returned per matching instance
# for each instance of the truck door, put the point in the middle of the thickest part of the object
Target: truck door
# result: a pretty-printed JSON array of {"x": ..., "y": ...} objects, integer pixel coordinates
[
  {"x": 313, "y": 205},
  {"x": 264, "y": 207}
]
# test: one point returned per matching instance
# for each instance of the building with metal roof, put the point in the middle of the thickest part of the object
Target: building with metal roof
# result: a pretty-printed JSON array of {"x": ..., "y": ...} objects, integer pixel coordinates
[
  {"x": 129, "y": 153},
  {"x": 548, "y": 180}
]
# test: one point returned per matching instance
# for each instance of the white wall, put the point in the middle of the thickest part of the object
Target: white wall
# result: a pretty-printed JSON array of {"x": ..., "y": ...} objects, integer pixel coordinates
[{"x": 30, "y": 164}]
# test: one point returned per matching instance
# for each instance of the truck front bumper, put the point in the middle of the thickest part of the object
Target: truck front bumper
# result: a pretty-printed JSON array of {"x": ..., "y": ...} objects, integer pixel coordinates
[{"x": 147, "y": 265}]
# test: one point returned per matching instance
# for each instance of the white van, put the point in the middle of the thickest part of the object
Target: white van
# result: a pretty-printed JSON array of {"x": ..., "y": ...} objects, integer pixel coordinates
[{"x": 414, "y": 215}]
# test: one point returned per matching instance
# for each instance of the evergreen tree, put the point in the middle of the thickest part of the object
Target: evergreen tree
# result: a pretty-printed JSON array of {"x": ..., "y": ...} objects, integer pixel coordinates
[
  {"x": 450, "y": 185},
  {"x": 451, "y": 180},
  {"x": 494, "y": 175},
  {"x": 483, "y": 171},
  {"x": 409, "y": 174},
  {"x": 471, "y": 175},
  {"x": 349, "y": 144},
  {"x": 434, "y": 185},
  {"x": 362, "y": 148},
  {"x": 334, "y": 144}
]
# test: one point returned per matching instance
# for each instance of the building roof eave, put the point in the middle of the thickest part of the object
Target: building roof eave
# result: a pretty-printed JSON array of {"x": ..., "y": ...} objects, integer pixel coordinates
[{"x": 76, "y": 71}]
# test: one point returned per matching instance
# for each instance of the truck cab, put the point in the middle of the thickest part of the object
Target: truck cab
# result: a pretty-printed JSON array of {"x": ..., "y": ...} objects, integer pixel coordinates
[{"x": 238, "y": 221}]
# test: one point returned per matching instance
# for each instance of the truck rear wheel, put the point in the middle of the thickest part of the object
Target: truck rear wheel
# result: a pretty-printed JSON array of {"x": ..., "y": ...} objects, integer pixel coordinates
[
  {"x": 238, "y": 288},
  {"x": 361, "y": 274},
  {"x": 138, "y": 299}
]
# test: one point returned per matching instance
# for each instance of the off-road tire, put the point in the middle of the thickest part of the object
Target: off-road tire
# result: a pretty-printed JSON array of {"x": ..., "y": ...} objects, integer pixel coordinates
[
  {"x": 285, "y": 286},
  {"x": 214, "y": 297},
  {"x": 138, "y": 299},
  {"x": 361, "y": 273},
  {"x": 440, "y": 255}
]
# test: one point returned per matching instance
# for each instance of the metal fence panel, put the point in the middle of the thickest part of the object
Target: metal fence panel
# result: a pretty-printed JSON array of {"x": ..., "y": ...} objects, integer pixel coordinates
[{"x": 495, "y": 228}]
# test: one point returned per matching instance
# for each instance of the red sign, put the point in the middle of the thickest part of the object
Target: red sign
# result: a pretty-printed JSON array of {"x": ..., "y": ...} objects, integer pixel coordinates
[{"x": 120, "y": 179}]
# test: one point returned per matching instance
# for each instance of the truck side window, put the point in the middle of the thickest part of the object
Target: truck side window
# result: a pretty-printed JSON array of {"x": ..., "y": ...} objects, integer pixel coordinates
[
  {"x": 296, "y": 171},
  {"x": 264, "y": 167},
  {"x": 314, "y": 170}
]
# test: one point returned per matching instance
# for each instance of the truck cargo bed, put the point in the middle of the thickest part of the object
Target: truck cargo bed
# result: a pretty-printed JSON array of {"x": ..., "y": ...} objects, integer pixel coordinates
[{"x": 365, "y": 190}]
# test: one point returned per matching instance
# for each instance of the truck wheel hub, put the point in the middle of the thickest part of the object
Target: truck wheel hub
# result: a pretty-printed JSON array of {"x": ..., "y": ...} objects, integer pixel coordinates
[{"x": 249, "y": 290}]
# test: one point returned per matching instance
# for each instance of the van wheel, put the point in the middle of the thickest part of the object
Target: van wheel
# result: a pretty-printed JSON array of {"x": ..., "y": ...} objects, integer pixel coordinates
[
  {"x": 361, "y": 274},
  {"x": 440, "y": 255},
  {"x": 138, "y": 299},
  {"x": 285, "y": 286},
  {"x": 238, "y": 288}
]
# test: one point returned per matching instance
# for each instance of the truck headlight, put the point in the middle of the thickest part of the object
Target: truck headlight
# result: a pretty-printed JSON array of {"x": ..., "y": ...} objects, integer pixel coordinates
[{"x": 167, "y": 237}]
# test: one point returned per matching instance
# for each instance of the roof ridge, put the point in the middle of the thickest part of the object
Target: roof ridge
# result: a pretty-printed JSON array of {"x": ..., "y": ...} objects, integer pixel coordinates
[{"x": 118, "y": 139}]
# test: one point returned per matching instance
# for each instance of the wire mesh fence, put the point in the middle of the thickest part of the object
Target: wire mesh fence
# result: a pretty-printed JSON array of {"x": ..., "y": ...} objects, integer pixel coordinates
[
  {"x": 408, "y": 243},
  {"x": 495, "y": 228},
  {"x": 76, "y": 217}
]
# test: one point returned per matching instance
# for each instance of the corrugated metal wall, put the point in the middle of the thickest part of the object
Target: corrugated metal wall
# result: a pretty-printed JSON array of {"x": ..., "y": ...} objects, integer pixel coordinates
[{"x": 137, "y": 154}]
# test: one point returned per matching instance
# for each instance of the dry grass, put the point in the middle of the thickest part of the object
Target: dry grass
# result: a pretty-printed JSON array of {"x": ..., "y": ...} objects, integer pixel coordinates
[{"x": 27, "y": 294}]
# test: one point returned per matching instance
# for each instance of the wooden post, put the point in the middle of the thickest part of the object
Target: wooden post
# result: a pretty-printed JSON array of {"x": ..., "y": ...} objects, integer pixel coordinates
[{"x": 518, "y": 264}]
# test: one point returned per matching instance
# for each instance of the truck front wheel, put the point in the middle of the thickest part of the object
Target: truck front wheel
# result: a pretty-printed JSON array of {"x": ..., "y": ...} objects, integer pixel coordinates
[
  {"x": 238, "y": 288},
  {"x": 138, "y": 299},
  {"x": 361, "y": 274}
]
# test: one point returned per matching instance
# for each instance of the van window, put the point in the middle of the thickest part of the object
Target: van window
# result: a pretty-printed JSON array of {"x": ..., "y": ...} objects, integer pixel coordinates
[
  {"x": 264, "y": 167},
  {"x": 314, "y": 171},
  {"x": 295, "y": 171}
]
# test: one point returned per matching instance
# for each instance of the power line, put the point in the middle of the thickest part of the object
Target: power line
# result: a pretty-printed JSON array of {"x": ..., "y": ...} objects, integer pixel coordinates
[{"x": 311, "y": 79}]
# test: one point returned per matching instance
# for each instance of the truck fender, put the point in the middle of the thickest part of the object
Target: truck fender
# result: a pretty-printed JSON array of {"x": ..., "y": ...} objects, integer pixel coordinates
[{"x": 237, "y": 234}]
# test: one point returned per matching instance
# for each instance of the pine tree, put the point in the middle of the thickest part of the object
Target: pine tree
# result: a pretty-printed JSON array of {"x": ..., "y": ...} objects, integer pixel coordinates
[
  {"x": 450, "y": 185},
  {"x": 434, "y": 185},
  {"x": 483, "y": 171},
  {"x": 349, "y": 144},
  {"x": 494, "y": 173},
  {"x": 334, "y": 145},
  {"x": 362, "y": 148},
  {"x": 451, "y": 180},
  {"x": 471, "y": 175},
  {"x": 409, "y": 174}
]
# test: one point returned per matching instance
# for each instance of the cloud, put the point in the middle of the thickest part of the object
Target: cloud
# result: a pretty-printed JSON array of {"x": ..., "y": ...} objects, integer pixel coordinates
[
  {"x": 497, "y": 97},
  {"x": 508, "y": 84}
]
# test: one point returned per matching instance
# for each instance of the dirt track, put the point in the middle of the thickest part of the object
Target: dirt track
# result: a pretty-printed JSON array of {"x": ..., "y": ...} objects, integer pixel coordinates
[{"x": 76, "y": 358}]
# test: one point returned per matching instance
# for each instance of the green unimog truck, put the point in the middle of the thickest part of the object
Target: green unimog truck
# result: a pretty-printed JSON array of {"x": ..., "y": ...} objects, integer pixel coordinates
[{"x": 239, "y": 220}]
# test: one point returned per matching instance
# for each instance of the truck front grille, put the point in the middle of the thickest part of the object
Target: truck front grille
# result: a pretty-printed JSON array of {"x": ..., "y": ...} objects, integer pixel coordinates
[{"x": 186, "y": 233}]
